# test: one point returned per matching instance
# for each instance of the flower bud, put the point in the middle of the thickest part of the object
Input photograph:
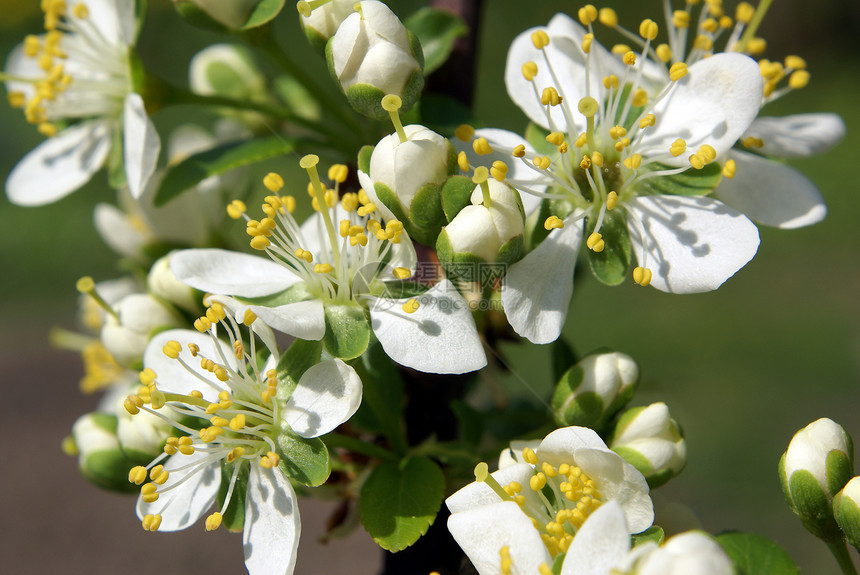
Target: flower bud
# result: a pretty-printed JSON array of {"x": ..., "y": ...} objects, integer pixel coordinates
[
  {"x": 594, "y": 389},
  {"x": 141, "y": 436},
  {"x": 164, "y": 284},
  {"x": 371, "y": 55},
  {"x": 216, "y": 14},
  {"x": 846, "y": 510},
  {"x": 324, "y": 21},
  {"x": 480, "y": 234},
  {"x": 651, "y": 441},
  {"x": 689, "y": 553},
  {"x": 227, "y": 70},
  {"x": 100, "y": 458},
  {"x": 817, "y": 465},
  {"x": 137, "y": 316}
]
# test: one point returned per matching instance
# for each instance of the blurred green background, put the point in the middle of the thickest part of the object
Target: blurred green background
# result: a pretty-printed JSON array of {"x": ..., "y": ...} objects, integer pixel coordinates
[{"x": 742, "y": 368}]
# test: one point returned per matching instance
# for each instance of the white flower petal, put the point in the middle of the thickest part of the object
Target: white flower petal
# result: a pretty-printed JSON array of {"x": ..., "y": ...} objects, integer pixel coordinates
[
  {"x": 23, "y": 66},
  {"x": 771, "y": 193},
  {"x": 173, "y": 377},
  {"x": 59, "y": 165},
  {"x": 514, "y": 453},
  {"x": 482, "y": 533},
  {"x": 558, "y": 447},
  {"x": 713, "y": 104},
  {"x": 117, "y": 231},
  {"x": 304, "y": 319},
  {"x": 113, "y": 19},
  {"x": 440, "y": 337},
  {"x": 272, "y": 523},
  {"x": 536, "y": 290},
  {"x": 600, "y": 544},
  {"x": 478, "y": 493},
  {"x": 141, "y": 145},
  {"x": 619, "y": 481},
  {"x": 327, "y": 395},
  {"x": 183, "y": 505},
  {"x": 798, "y": 136},
  {"x": 237, "y": 309},
  {"x": 230, "y": 273},
  {"x": 694, "y": 244}
]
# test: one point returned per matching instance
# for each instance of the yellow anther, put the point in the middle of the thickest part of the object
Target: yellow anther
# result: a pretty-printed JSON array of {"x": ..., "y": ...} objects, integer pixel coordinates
[
  {"x": 505, "y": 561},
  {"x": 47, "y": 129},
  {"x": 581, "y": 140},
  {"x": 196, "y": 394},
  {"x": 273, "y": 182},
  {"x": 411, "y": 306},
  {"x": 529, "y": 456},
  {"x": 611, "y": 200},
  {"x": 642, "y": 276},
  {"x": 213, "y": 522},
  {"x": 16, "y": 99},
  {"x": 401, "y": 273},
  {"x": 366, "y": 210},
  {"x": 610, "y": 82},
  {"x": 541, "y": 162},
  {"x": 463, "y": 161},
  {"x": 664, "y": 52},
  {"x": 622, "y": 143},
  {"x": 620, "y": 49},
  {"x": 499, "y": 170},
  {"x": 595, "y": 242},
  {"x": 795, "y": 63},
  {"x": 305, "y": 254},
  {"x": 236, "y": 208},
  {"x": 373, "y": 226},
  {"x": 725, "y": 22},
  {"x": 248, "y": 318},
  {"x": 482, "y": 147},
  {"x": 32, "y": 46},
  {"x": 537, "y": 482},
  {"x": 633, "y": 162},
  {"x": 553, "y": 223},
  {"x": 752, "y": 142},
  {"x": 151, "y": 522},
  {"x": 730, "y": 168},
  {"x": 587, "y": 14},
  {"x": 585, "y": 163},
  {"x": 710, "y": 25},
  {"x": 148, "y": 493},
  {"x": 354, "y": 230},
  {"x": 588, "y": 107},
  {"x": 707, "y": 152},
  {"x": 756, "y": 46},
  {"x": 550, "y": 97},
  {"x": 548, "y": 469},
  {"x": 209, "y": 434},
  {"x": 137, "y": 474},
  {"x": 338, "y": 173},
  {"x": 681, "y": 19},
  {"x": 147, "y": 376},
  {"x": 465, "y": 132},
  {"x": 629, "y": 58},
  {"x": 219, "y": 421},
  {"x": 540, "y": 39},
  {"x": 185, "y": 447},
  {"x": 648, "y": 121},
  {"x": 544, "y": 569},
  {"x": 519, "y": 151},
  {"x": 202, "y": 324},
  {"x": 323, "y": 268},
  {"x": 358, "y": 239},
  {"x": 798, "y": 79},
  {"x": 159, "y": 475},
  {"x": 363, "y": 198},
  {"x": 677, "y": 71},
  {"x": 617, "y": 132},
  {"x": 270, "y": 460},
  {"x": 260, "y": 242},
  {"x": 597, "y": 159},
  {"x": 343, "y": 229},
  {"x": 744, "y": 12},
  {"x": 640, "y": 97},
  {"x": 586, "y": 42},
  {"x": 555, "y": 138},
  {"x": 235, "y": 454},
  {"x": 703, "y": 43},
  {"x": 648, "y": 29},
  {"x": 697, "y": 161},
  {"x": 515, "y": 486},
  {"x": 678, "y": 147},
  {"x": 238, "y": 422},
  {"x": 132, "y": 404},
  {"x": 608, "y": 17}
]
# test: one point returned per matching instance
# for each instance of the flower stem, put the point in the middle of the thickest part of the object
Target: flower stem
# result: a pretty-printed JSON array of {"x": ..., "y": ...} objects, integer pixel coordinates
[
  {"x": 840, "y": 552},
  {"x": 752, "y": 27}
]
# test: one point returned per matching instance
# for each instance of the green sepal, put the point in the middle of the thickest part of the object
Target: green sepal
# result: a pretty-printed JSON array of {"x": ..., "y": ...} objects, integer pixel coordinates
[
  {"x": 425, "y": 211},
  {"x": 305, "y": 460},
  {"x": 437, "y": 31},
  {"x": 382, "y": 398},
  {"x": 838, "y": 470},
  {"x": 510, "y": 251},
  {"x": 426, "y": 236},
  {"x": 557, "y": 563},
  {"x": 116, "y": 159},
  {"x": 233, "y": 518},
  {"x": 456, "y": 195},
  {"x": 263, "y": 12},
  {"x": 536, "y": 136},
  {"x": 813, "y": 506},
  {"x": 315, "y": 39},
  {"x": 301, "y": 356},
  {"x": 197, "y": 167},
  {"x": 612, "y": 265},
  {"x": 197, "y": 17},
  {"x": 847, "y": 516},
  {"x": 108, "y": 469},
  {"x": 293, "y": 294},
  {"x": 412, "y": 91},
  {"x": 418, "y": 54},
  {"x": 364, "y": 155},
  {"x": 754, "y": 554},
  {"x": 691, "y": 182},
  {"x": 399, "y": 501},
  {"x": 653, "y": 534},
  {"x": 366, "y": 99},
  {"x": 572, "y": 408},
  {"x": 105, "y": 421},
  {"x": 347, "y": 331},
  {"x": 391, "y": 201},
  {"x": 460, "y": 265}
]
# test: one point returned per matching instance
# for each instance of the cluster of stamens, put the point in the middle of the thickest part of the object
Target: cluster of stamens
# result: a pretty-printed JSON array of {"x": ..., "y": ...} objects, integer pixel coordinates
[{"x": 236, "y": 428}]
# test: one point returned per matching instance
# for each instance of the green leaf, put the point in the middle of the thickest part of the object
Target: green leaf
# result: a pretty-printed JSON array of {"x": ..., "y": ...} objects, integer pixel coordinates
[
  {"x": 264, "y": 11},
  {"x": 653, "y": 533},
  {"x": 382, "y": 398},
  {"x": 347, "y": 331},
  {"x": 305, "y": 460},
  {"x": 399, "y": 501},
  {"x": 612, "y": 265},
  {"x": 233, "y": 517},
  {"x": 456, "y": 195},
  {"x": 437, "y": 30},
  {"x": 755, "y": 554},
  {"x": 691, "y": 182},
  {"x": 300, "y": 357},
  {"x": 197, "y": 167}
]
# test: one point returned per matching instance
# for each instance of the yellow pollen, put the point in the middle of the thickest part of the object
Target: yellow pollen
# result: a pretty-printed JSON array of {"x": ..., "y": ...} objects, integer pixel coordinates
[
  {"x": 585, "y": 163},
  {"x": 544, "y": 569},
  {"x": 798, "y": 79},
  {"x": 171, "y": 349},
  {"x": 540, "y": 39},
  {"x": 499, "y": 170},
  {"x": 752, "y": 142},
  {"x": 530, "y": 70},
  {"x": 756, "y": 46},
  {"x": 147, "y": 376},
  {"x": 580, "y": 140},
  {"x": 249, "y": 317},
  {"x": 213, "y": 522},
  {"x": 610, "y": 82},
  {"x": 795, "y": 62},
  {"x": 411, "y": 306},
  {"x": 697, "y": 161},
  {"x": 366, "y": 210},
  {"x": 730, "y": 169},
  {"x": 586, "y": 43},
  {"x": 595, "y": 242},
  {"x": 148, "y": 493},
  {"x": 537, "y": 482},
  {"x": 608, "y": 17},
  {"x": 553, "y": 223},
  {"x": 640, "y": 98},
  {"x": 519, "y": 151},
  {"x": 621, "y": 144},
  {"x": 305, "y": 254},
  {"x": 238, "y": 422},
  {"x": 678, "y": 147},
  {"x": 401, "y": 273},
  {"x": 482, "y": 147},
  {"x": 235, "y": 454},
  {"x": 555, "y": 138},
  {"x": 323, "y": 268},
  {"x": 270, "y": 460},
  {"x": 185, "y": 447},
  {"x": 664, "y": 52},
  {"x": 648, "y": 29},
  {"x": 703, "y": 43},
  {"x": 677, "y": 71},
  {"x": 49, "y": 130},
  {"x": 159, "y": 475},
  {"x": 137, "y": 474},
  {"x": 587, "y": 14},
  {"x": 726, "y": 22},
  {"x": 648, "y": 121},
  {"x": 620, "y": 49},
  {"x": 744, "y": 12},
  {"x": 708, "y": 152},
  {"x": 629, "y": 58},
  {"x": 236, "y": 208},
  {"x": 463, "y": 161},
  {"x": 273, "y": 182},
  {"x": 542, "y": 162},
  {"x": 681, "y": 19},
  {"x": 358, "y": 239},
  {"x": 464, "y": 132},
  {"x": 529, "y": 456},
  {"x": 151, "y": 522},
  {"x": 633, "y": 162},
  {"x": 597, "y": 159},
  {"x": 616, "y": 132},
  {"x": 642, "y": 276},
  {"x": 550, "y": 97},
  {"x": 260, "y": 243},
  {"x": 611, "y": 200},
  {"x": 16, "y": 99},
  {"x": 338, "y": 173}
]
